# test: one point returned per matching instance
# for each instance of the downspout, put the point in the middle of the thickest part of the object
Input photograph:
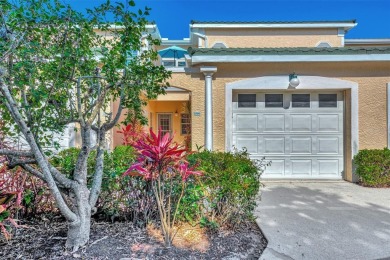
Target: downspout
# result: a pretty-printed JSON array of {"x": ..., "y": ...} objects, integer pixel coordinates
[{"x": 206, "y": 41}]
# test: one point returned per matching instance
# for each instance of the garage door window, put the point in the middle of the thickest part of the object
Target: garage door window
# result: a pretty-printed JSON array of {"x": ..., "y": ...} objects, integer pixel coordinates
[
  {"x": 300, "y": 100},
  {"x": 327, "y": 100},
  {"x": 273, "y": 100},
  {"x": 246, "y": 100}
]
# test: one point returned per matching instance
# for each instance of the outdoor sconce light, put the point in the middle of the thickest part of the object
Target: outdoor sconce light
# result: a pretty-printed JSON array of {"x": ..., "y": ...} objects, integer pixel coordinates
[
  {"x": 176, "y": 113},
  {"x": 294, "y": 81}
]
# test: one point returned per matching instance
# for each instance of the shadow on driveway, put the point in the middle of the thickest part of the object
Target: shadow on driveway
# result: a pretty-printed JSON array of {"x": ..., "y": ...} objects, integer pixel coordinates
[{"x": 324, "y": 220}]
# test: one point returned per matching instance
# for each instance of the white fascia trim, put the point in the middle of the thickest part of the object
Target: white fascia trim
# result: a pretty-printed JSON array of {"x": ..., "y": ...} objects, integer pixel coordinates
[
  {"x": 113, "y": 26},
  {"x": 367, "y": 41},
  {"x": 289, "y": 58},
  {"x": 176, "y": 69},
  {"x": 174, "y": 89},
  {"x": 346, "y": 26},
  {"x": 155, "y": 33},
  {"x": 175, "y": 42},
  {"x": 208, "y": 69}
]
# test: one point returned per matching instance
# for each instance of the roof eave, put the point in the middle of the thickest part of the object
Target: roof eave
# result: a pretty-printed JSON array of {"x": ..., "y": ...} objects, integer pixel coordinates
[
  {"x": 289, "y": 58},
  {"x": 175, "y": 42},
  {"x": 367, "y": 41},
  {"x": 346, "y": 26}
]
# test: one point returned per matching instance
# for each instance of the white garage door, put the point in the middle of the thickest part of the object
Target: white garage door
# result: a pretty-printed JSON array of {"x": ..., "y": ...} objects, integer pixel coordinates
[{"x": 301, "y": 133}]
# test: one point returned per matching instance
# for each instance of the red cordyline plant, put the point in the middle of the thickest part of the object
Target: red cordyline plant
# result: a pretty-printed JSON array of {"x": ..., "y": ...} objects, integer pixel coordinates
[
  {"x": 131, "y": 133},
  {"x": 10, "y": 197},
  {"x": 163, "y": 163}
]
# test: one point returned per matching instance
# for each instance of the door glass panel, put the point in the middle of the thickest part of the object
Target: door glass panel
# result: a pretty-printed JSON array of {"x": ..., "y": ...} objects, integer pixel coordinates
[
  {"x": 246, "y": 100},
  {"x": 327, "y": 100},
  {"x": 164, "y": 123},
  {"x": 300, "y": 100},
  {"x": 273, "y": 100}
]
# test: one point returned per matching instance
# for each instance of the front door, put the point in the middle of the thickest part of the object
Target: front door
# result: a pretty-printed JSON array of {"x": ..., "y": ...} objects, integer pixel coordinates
[{"x": 165, "y": 123}]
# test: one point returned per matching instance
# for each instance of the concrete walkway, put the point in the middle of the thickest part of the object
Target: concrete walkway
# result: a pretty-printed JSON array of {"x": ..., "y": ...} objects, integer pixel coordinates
[{"x": 324, "y": 220}]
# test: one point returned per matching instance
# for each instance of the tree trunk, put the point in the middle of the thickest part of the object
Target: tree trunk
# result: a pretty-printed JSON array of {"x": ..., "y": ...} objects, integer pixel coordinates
[{"x": 79, "y": 230}]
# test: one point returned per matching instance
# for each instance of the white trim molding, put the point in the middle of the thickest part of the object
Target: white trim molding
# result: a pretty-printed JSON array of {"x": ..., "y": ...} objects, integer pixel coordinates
[
  {"x": 208, "y": 74},
  {"x": 341, "y": 34},
  {"x": 282, "y": 83},
  {"x": 289, "y": 58},
  {"x": 388, "y": 115},
  {"x": 367, "y": 41},
  {"x": 345, "y": 25}
]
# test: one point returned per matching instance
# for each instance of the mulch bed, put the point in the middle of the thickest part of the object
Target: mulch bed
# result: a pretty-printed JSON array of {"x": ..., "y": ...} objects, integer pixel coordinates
[{"x": 45, "y": 240}]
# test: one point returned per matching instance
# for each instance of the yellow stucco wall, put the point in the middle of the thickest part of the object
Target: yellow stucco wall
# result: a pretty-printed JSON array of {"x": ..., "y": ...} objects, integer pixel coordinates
[
  {"x": 169, "y": 107},
  {"x": 372, "y": 78},
  {"x": 272, "y": 38},
  {"x": 151, "y": 113}
]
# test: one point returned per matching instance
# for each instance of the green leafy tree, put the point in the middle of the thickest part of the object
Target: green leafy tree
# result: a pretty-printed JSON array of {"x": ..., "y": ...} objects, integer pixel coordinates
[{"x": 60, "y": 67}]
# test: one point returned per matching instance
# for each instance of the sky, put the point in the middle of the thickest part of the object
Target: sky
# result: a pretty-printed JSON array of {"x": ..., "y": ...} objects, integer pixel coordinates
[{"x": 174, "y": 16}]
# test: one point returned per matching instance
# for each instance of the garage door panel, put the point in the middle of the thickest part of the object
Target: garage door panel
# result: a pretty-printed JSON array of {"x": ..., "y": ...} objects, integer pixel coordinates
[
  {"x": 301, "y": 123},
  {"x": 250, "y": 143},
  {"x": 301, "y": 145},
  {"x": 246, "y": 123},
  {"x": 328, "y": 145},
  {"x": 274, "y": 145},
  {"x": 328, "y": 123},
  {"x": 301, "y": 167},
  {"x": 277, "y": 167},
  {"x": 274, "y": 123},
  {"x": 303, "y": 142},
  {"x": 328, "y": 167}
]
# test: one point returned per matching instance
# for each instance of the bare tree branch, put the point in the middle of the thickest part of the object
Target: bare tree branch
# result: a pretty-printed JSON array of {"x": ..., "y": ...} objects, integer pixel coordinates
[
  {"x": 43, "y": 164},
  {"x": 18, "y": 162},
  {"x": 79, "y": 105},
  {"x": 98, "y": 176},
  {"x": 33, "y": 171},
  {"x": 107, "y": 126},
  {"x": 16, "y": 153},
  {"x": 60, "y": 178}
]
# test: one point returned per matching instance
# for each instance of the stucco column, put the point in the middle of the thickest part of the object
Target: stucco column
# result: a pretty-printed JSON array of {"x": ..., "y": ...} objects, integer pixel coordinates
[{"x": 208, "y": 135}]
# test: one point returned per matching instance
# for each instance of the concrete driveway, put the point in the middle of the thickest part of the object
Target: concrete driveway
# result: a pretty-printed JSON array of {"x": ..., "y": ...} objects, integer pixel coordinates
[{"x": 324, "y": 220}]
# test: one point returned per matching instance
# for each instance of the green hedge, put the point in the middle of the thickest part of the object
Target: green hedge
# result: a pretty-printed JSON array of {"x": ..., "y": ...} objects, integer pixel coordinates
[
  {"x": 373, "y": 167},
  {"x": 227, "y": 193}
]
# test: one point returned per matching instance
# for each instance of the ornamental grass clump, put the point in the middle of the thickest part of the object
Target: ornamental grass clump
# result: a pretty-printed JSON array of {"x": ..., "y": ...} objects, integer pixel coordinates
[{"x": 163, "y": 163}]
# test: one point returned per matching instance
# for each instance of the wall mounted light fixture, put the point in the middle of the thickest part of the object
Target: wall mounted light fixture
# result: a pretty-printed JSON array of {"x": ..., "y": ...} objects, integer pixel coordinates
[
  {"x": 293, "y": 79},
  {"x": 176, "y": 113}
]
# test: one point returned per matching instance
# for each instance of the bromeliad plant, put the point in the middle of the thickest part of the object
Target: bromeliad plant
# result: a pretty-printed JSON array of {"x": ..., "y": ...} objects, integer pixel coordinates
[{"x": 163, "y": 163}]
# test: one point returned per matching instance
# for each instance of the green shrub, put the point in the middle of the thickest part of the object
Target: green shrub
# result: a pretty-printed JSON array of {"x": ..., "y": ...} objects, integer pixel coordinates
[
  {"x": 227, "y": 193},
  {"x": 65, "y": 161},
  {"x": 120, "y": 198},
  {"x": 373, "y": 167}
]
